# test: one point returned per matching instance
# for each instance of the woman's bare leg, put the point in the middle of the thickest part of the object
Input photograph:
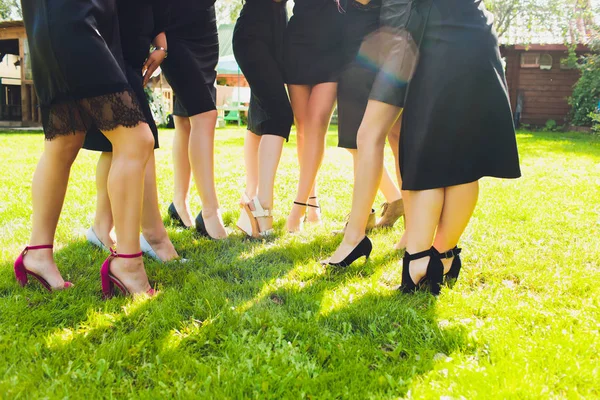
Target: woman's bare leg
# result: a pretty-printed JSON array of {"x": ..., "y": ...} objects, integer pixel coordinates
[
  {"x": 153, "y": 228},
  {"x": 182, "y": 171},
  {"x": 459, "y": 204},
  {"x": 423, "y": 212},
  {"x": 103, "y": 220},
  {"x": 269, "y": 155},
  {"x": 48, "y": 194},
  {"x": 152, "y": 225},
  {"x": 377, "y": 122},
  {"x": 318, "y": 115},
  {"x": 132, "y": 148},
  {"x": 387, "y": 187},
  {"x": 394, "y": 140},
  {"x": 299, "y": 97},
  {"x": 202, "y": 160},
  {"x": 251, "y": 147}
]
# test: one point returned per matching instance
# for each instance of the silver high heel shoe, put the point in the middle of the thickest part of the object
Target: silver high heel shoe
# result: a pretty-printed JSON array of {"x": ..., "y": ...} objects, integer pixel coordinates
[
  {"x": 92, "y": 238},
  {"x": 149, "y": 251}
]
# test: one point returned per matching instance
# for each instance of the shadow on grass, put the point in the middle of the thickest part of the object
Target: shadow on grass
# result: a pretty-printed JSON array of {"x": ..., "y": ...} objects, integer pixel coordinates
[{"x": 242, "y": 304}]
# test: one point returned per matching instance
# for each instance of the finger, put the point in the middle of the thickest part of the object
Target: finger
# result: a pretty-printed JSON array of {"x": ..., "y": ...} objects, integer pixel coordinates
[
  {"x": 149, "y": 73},
  {"x": 147, "y": 64}
]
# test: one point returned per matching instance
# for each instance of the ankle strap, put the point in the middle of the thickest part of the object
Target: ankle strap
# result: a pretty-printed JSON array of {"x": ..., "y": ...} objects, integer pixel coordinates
[
  {"x": 447, "y": 254},
  {"x": 306, "y": 204},
  {"x": 417, "y": 256},
  {"x": 117, "y": 255},
  {"x": 43, "y": 246}
]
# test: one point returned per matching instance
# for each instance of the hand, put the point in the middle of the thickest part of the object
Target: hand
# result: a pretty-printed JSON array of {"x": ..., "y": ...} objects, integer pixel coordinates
[{"x": 154, "y": 61}]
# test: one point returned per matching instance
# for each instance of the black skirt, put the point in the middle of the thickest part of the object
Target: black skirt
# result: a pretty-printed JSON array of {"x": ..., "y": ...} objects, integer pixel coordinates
[
  {"x": 313, "y": 43},
  {"x": 78, "y": 67},
  {"x": 457, "y": 123},
  {"x": 190, "y": 68},
  {"x": 258, "y": 48},
  {"x": 358, "y": 75}
]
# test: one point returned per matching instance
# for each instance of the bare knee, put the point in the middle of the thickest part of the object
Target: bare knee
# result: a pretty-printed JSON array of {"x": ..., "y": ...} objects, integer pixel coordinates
[
  {"x": 137, "y": 146},
  {"x": 182, "y": 125},
  {"x": 323, "y": 118},
  {"x": 370, "y": 138},
  {"x": 204, "y": 123}
]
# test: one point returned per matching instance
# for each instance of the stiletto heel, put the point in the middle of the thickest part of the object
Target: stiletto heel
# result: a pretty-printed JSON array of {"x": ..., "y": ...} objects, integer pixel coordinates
[
  {"x": 452, "y": 275},
  {"x": 21, "y": 273},
  {"x": 434, "y": 275},
  {"x": 364, "y": 249},
  {"x": 248, "y": 221},
  {"x": 175, "y": 217},
  {"x": 109, "y": 281}
]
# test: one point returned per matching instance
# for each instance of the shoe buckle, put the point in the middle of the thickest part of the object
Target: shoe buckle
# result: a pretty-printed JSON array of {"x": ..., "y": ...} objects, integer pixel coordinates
[{"x": 447, "y": 254}]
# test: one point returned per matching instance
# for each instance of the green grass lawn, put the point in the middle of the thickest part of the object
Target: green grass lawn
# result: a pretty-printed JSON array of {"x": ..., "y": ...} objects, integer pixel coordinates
[{"x": 252, "y": 319}]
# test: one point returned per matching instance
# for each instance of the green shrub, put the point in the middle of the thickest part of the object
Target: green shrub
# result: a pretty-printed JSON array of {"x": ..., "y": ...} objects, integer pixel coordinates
[
  {"x": 551, "y": 125},
  {"x": 595, "y": 117},
  {"x": 586, "y": 91}
]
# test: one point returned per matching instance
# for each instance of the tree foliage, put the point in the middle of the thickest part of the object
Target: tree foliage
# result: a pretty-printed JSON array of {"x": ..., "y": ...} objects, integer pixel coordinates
[
  {"x": 10, "y": 9},
  {"x": 228, "y": 10},
  {"x": 586, "y": 92},
  {"x": 527, "y": 20}
]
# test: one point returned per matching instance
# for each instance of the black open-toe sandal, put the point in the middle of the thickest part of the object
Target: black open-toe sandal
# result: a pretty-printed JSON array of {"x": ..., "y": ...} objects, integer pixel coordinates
[
  {"x": 452, "y": 276},
  {"x": 434, "y": 275}
]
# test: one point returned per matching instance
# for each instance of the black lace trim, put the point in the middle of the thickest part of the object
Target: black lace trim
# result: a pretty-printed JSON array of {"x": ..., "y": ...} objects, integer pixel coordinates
[{"x": 105, "y": 112}]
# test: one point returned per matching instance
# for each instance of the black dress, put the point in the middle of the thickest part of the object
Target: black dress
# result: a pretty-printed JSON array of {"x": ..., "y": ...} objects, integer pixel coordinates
[
  {"x": 400, "y": 30},
  {"x": 313, "y": 43},
  {"x": 358, "y": 74},
  {"x": 140, "y": 21},
  {"x": 457, "y": 124},
  {"x": 78, "y": 66},
  {"x": 190, "y": 68},
  {"x": 258, "y": 47}
]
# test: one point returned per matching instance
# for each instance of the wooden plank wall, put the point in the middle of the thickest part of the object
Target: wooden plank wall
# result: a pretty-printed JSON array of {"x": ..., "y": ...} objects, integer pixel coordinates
[{"x": 545, "y": 92}]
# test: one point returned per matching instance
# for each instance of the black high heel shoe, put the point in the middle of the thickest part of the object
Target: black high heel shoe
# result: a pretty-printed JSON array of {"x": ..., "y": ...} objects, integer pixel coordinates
[
  {"x": 175, "y": 217},
  {"x": 364, "y": 249},
  {"x": 201, "y": 226},
  {"x": 434, "y": 276},
  {"x": 452, "y": 276}
]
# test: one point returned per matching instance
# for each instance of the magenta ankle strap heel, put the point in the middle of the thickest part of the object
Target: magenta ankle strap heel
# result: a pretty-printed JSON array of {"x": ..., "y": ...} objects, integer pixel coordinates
[
  {"x": 109, "y": 281},
  {"x": 22, "y": 273}
]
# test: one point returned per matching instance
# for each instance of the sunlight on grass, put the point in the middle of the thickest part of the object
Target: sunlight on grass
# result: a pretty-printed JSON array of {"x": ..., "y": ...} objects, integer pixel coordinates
[
  {"x": 263, "y": 319},
  {"x": 97, "y": 321},
  {"x": 187, "y": 329}
]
